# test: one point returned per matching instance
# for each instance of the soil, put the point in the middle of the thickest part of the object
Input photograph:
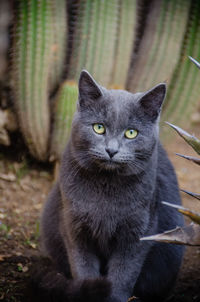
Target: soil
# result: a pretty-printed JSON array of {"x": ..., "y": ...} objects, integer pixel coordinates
[{"x": 23, "y": 190}]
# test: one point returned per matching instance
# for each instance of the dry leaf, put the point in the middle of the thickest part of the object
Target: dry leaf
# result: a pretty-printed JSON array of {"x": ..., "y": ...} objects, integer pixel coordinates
[{"x": 188, "y": 235}]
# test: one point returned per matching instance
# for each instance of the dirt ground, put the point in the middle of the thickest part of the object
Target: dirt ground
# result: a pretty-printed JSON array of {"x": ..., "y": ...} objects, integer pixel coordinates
[{"x": 23, "y": 190}]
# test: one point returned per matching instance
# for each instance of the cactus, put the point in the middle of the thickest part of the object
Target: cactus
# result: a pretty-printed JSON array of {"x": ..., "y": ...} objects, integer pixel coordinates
[
  {"x": 94, "y": 39},
  {"x": 145, "y": 67},
  {"x": 32, "y": 65},
  {"x": 80, "y": 28},
  {"x": 124, "y": 42},
  {"x": 59, "y": 19},
  {"x": 160, "y": 54},
  {"x": 65, "y": 106},
  {"x": 188, "y": 235},
  {"x": 103, "y": 40},
  {"x": 184, "y": 88},
  {"x": 171, "y": 41}
]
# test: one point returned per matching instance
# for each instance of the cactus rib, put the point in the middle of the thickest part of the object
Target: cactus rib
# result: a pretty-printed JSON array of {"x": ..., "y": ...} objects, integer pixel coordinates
[
  {"x": 32, "y": 66},
  {"x": 65, "y": 106}
]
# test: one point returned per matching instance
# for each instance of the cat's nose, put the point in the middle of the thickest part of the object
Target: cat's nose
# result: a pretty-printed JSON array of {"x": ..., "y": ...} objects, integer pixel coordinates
[{"x": 111, "y": 152}]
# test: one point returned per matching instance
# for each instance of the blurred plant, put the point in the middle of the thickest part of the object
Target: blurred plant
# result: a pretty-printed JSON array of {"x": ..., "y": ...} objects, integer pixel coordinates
[{"x": 5, "y": 229}]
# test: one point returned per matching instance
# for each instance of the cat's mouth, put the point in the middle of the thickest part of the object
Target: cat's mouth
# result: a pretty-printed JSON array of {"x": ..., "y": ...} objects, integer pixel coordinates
[{"x": 109, "y": 164}]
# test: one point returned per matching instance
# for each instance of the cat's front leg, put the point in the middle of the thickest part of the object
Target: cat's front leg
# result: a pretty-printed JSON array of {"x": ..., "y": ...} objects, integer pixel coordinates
[
  {"x": 83, "y": 263},
  {"x": 124, "y": 268}
]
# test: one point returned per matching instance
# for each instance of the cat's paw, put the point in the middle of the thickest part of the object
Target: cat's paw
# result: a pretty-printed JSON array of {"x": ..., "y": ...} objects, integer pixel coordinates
[{"x": 94, "y": 290}]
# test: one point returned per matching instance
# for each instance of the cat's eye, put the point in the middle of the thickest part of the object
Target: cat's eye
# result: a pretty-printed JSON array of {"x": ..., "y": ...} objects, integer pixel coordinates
[
  {"x": 131, "y": 133},
  {"x": 99, "y": 128}
]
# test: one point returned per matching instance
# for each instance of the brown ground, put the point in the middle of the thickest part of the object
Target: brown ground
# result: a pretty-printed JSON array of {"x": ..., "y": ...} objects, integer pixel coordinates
[{"x": 23, "y": 191}]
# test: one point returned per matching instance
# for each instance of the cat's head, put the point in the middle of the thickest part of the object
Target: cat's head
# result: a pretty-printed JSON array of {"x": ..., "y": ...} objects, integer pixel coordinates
[{"x": 115, "y": 130}]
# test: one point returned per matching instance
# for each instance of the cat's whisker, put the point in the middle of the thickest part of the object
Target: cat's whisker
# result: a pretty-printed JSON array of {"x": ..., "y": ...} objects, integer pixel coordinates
[
  {"x": 136, "y": 165},
  {"x": 75, "y": 167}
]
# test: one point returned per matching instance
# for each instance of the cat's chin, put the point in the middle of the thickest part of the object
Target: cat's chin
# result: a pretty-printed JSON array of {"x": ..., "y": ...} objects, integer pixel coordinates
[
  {"x": 118, "y": 168},
  {"x": 113, "y": 166},
  {"x": 110, "y": 165}
]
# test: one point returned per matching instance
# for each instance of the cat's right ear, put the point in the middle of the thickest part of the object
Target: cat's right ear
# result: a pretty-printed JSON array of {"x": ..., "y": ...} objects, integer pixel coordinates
[
  {"x": 152, "y": 100},
  {"x": 88, "y": 88}
]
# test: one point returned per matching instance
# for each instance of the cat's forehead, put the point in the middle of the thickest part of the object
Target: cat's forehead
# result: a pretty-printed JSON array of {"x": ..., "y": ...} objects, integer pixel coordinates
[
  {"x": 121, "y": 97},
  {"x": 119, "y": 103}
]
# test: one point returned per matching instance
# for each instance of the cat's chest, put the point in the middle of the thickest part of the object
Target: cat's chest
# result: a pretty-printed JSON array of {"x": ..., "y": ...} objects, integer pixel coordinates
[
  {"x": 103, "y": 208},
  {"x": 111, "y": 193}
]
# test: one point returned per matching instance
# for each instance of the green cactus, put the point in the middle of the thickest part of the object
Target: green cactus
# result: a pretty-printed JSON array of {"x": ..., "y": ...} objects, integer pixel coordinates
[
  {"x": 144, "y": 81},
  {"x": 81, "y": 30},
  {"x": 171, "y": 41},
  {"x": 103, "y": 38},
  {"x": 161, "y": 44},
  {"x": 65, "y": 106},
  {"x": 59, "y": 19},
  {"x": 124, "y": 43},
  {"x": 184, "y": 88},
  {"x": 32, "y": 65}
]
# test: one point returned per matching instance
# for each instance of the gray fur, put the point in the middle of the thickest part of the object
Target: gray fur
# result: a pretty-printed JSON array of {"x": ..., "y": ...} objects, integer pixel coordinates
[{"x": 101, "y": 206}]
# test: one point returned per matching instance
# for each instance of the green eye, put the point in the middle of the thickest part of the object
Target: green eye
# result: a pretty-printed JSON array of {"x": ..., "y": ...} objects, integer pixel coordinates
[
  {"x": 131, "y": 133},
  {"x": 99, "y": 128}
]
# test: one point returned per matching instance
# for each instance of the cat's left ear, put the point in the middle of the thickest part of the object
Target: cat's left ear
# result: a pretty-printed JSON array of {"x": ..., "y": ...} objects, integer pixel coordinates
[
  {"x": 88, "y": 88},
  {"x": 151, "y": 102}
]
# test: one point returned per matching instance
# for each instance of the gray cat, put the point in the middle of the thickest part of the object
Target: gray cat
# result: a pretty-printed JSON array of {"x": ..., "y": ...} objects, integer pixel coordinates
[{"x": 114, "y": 174}]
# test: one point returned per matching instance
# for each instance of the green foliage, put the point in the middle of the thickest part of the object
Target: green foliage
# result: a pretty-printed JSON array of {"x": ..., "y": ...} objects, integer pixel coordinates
[{"x": 5, "y": 229}]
